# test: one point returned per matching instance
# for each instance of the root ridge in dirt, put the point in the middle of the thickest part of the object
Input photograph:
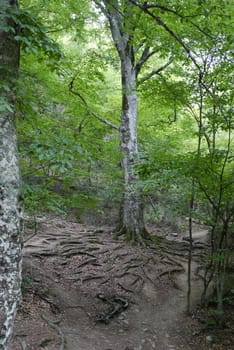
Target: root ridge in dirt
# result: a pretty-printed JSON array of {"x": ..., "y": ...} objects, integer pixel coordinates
[{"x": 66, "y": 265}]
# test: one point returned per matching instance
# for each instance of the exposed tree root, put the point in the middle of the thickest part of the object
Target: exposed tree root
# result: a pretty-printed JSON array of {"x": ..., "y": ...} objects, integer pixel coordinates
[
  {"x": 138, "y": 278},
  {"x": 119, "y": 246},
  {"x": 53, "y": 324},
  {"x": 30, "y": 237},
  {"x": 136, "y": 238},
  {"x": 116, "y": 265},
  {"x": 128, "y": 290},
  {"x": 86, "y": 278},
  {"x": 44, "y": 342},
  {"x": 73, "y": 252},
  {"x": 119, "y": 256},
  {"x": 134, "y": 266},
  {"x": 86, "y": 262},
  {"x": 148, "y": 277},
  {"x": 170, "y": 271},
  {"x": 67, "y": 242},
  {"x": 44, "y": 253},
  {"x": 54, "y": 308},
  {"x": 171, "y": 260},
  {"x": 23, "y": 344},
  {"x": 89, "y": 278}
]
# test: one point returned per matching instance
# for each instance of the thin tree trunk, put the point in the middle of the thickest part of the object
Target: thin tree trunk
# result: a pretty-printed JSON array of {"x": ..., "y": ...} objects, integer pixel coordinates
[
  {"x": 10, "y": 238},
  {"x": 190, "y": 253}
]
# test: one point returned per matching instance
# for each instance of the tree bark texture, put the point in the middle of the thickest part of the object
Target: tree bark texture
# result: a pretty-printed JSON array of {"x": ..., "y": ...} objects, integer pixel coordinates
[
  {"x": 132, "y": 221},
  {"x": 10, "y": 209}
]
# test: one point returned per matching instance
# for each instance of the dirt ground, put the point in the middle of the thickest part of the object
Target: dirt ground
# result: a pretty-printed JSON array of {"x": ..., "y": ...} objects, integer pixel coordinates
[{"x": 67, "y": 264}]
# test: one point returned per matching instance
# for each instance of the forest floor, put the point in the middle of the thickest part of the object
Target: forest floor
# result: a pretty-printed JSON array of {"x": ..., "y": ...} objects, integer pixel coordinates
[{"x": 67, "y": 264}]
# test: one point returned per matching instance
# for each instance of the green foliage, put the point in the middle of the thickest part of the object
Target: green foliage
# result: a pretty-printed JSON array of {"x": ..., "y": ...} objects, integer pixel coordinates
[
  {"x": 229, "y": 297},
  {"x": 38, "y": 198},
  {"x": 27, "y": 283},
  {"x": 65, "y": 153},
  {"x": 214, "y": 316},
  {"x": 4, "y": 105},
  {"x": 31, "y": 34}
]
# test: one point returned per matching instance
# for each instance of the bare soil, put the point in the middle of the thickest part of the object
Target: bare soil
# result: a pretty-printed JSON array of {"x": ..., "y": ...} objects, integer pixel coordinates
[{"x": 67, "y": 264}]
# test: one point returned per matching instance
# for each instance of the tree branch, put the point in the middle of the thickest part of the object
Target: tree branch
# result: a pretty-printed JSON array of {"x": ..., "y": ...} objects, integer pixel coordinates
[
  {"x": 154, "y": 72},
  {"x": 147, "y": 6},
  {"x": 95, "y": 115},
  {"x": 102, "y": 8},
  {"x": 114, "y": 17},
  {"x": 144, "y": 57},
  {"x": 178, "y": 40},
  {"x": 139, "y": 46},
  {"x": 168, "y": 30}
]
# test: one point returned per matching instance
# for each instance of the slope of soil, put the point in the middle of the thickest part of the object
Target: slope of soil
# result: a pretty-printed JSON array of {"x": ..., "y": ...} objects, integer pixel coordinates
[{"x": 67, "y": 264}]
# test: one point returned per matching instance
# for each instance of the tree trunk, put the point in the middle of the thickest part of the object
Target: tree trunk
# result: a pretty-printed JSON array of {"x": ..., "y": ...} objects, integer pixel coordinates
[
  {"x": 132, "y": 221},
  {"x": 10, "y": 238},
  {"x": 132, "y": 215}
]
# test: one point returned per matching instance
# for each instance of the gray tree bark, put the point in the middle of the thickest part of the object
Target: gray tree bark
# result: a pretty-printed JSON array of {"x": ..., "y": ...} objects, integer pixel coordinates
[
  {"x": 10, "y": 209},
  {"x": 132, "y": 221}
]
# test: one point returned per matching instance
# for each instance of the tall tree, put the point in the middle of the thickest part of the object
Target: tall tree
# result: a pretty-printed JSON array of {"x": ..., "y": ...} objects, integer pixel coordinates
[
  {"x": 122, "y": 17},
  {"x": 132, "y": 211},
  {"x": 10, "y": 238},
  {"x": 171, "y": 30}
]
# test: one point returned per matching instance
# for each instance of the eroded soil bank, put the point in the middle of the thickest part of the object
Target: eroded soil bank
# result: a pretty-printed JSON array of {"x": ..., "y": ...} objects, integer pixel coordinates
[{"x": 67, "y": 264}]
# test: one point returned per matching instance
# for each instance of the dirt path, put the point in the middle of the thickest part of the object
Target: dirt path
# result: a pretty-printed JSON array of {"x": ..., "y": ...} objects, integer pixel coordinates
[{"x": 66, "y": 264}]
